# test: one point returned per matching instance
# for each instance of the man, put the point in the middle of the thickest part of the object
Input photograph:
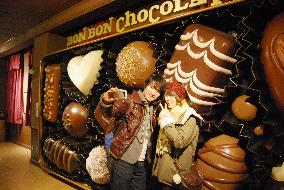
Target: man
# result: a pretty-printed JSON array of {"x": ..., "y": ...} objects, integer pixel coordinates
[{"x": 134, "y": 122}]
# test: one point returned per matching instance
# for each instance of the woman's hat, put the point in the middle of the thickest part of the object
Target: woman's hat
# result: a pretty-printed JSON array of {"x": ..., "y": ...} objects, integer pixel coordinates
[{"x": 177, "y": 88}]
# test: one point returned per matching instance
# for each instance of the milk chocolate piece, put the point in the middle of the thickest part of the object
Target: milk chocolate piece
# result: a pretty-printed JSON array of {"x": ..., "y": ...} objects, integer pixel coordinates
[
  {"x": 135, "y": 63},
  {"x": 74, "y": 119},
  {"x": 51, "y": 91},
  {"x": 242, "y": 109},
  {"x": 202, "y": 61},
  {"x": 221, "y": 163},
  {"x": 258, "y": 130},
  {"x": 272, "y": 58},
  {"x": 63, "y": 157}
]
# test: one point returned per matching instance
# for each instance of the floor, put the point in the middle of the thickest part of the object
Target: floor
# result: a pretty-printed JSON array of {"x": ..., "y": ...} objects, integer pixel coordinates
[{"x": 17, "y": 173}]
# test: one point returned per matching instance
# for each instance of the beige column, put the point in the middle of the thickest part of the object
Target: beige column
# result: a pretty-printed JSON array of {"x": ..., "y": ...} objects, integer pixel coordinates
[{"x": 43, "y": 45}]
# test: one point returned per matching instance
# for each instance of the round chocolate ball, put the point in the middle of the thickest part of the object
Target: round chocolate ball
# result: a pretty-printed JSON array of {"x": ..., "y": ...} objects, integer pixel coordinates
[
  {"x": 258, "y": 130},
  {"x": 135, "y": 63},
  {"x": 242, "y": 109},
  {"x": 74, "y": 119}
]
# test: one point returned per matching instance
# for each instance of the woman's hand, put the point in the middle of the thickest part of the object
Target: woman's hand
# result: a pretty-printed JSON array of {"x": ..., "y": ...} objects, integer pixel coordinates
[
  {"x": 164, "y": 111},
  {"x": 165, "y": 117}
]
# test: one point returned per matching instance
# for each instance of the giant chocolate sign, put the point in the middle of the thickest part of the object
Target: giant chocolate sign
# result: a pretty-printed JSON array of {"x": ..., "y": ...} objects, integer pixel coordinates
[{"x": 153, "y": 14}]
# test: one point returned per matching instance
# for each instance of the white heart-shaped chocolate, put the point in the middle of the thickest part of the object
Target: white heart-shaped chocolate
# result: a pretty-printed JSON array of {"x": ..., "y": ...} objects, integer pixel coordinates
[{"x": 84, "y": 70}]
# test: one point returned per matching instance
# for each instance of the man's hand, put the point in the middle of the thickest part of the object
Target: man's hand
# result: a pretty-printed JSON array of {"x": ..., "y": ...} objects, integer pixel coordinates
[{"x": 110, "y": 96}]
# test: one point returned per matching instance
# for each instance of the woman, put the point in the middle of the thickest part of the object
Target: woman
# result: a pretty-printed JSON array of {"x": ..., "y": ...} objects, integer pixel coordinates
[{"x": 177, "y": 138}]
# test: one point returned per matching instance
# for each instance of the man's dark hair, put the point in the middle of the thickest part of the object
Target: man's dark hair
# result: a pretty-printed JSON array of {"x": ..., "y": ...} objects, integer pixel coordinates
[{"x": 158, "y": 83}]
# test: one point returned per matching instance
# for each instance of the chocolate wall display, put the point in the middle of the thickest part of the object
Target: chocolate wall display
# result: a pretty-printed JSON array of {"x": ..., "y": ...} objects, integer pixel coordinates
[
  {"x": 216, "y": 54},
  {"x": 73, "y": 130},
  {"x": 272, "y": 58},
  {"x": 51, "y": 91},
  {"x": 257, "y": 130}
]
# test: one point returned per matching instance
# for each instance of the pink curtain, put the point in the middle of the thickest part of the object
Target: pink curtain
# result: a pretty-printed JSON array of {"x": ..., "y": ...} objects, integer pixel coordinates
[{"x": 14, "y": 90}]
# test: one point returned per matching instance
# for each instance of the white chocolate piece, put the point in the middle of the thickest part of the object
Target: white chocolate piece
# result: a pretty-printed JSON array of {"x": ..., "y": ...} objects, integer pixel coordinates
[
  {"x": 84, "y": 70},
  {"x": 278, "y": 173}
]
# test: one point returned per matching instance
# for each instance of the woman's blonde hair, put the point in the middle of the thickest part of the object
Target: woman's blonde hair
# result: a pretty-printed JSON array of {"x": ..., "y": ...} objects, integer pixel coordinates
[{"x": 169, "y": 92}]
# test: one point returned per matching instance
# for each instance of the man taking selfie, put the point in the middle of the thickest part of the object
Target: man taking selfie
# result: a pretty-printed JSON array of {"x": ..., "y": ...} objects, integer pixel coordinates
[{"x": 135, "y": 117}]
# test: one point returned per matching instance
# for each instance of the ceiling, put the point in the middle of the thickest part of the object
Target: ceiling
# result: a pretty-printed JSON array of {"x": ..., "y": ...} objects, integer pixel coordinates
[
  {"x": 23, "y": 20},
  {"x": 17, "y": 16}
]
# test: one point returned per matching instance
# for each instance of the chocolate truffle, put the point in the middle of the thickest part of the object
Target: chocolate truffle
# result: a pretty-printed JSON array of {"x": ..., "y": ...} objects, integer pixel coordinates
[
  {"x": 221, "y": 163},
  {"x": 272, "y": 58},
  {"x": 51, "y": 92},
  {"x": 135, "y": 63},
  {"x": 202, "y": 60},
  {"x": 242, "y": 109},
  {"x": 74, "y": 119},
  {"x": 96, "y": 165},
  {"x": 258, "y": 130}
]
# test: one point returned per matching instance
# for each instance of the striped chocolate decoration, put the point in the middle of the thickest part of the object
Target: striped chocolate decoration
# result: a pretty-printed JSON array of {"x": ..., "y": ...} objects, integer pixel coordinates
[{"x": 63, "y": 157}]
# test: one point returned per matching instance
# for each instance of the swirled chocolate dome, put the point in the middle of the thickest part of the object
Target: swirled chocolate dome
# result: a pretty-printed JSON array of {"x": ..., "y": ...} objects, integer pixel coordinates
[
  {"x": 74, "y": 119},
  {"x": 221, "y": 163},
  {"x": 135, "y": 63}
]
